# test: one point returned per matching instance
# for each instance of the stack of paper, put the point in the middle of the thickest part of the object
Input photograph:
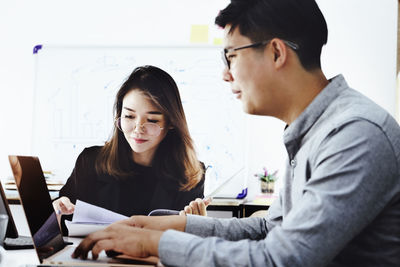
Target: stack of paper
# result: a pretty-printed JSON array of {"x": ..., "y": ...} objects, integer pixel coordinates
[
  {"x": 52, "y": 184},
  {"x": 89, "y": 218}
]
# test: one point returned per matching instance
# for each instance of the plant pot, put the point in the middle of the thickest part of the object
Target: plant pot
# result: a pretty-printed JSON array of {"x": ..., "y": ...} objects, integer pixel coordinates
[
  {"x": 264, "y": 187},
  {"x": 270, "y": 187},
  {"x": 267, "y": 187}
]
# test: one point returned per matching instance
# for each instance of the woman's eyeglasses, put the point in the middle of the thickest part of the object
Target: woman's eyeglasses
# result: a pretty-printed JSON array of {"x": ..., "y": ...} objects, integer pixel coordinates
[{"x": 127, "y": 125}]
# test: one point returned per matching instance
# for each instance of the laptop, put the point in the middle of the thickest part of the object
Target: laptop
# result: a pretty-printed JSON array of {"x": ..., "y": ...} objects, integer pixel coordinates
[
  {"x": 42, "y": 220},
  {"x": 12, "y": 240}
]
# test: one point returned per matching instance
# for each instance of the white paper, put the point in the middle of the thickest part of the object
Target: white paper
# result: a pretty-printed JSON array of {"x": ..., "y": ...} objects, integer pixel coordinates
[
  {"x": 89, "y": 218},
  {"x": 88, "y": 213},
  {"x": 83, "y": 229}
]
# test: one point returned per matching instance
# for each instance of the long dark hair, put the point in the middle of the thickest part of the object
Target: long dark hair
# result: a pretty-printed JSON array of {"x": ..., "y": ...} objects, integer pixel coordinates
[{"x": 175, "y": 157}]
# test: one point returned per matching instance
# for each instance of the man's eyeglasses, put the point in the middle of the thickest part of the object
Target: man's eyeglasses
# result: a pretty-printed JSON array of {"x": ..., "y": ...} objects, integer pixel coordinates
[
  {"x": 127, "y": 125},
  {"x": 227, "y": 62}
]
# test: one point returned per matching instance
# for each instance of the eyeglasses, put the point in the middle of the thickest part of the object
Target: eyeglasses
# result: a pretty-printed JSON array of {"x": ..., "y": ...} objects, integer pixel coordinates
[
  {"x": 227, "y": 62},
  {"x": 127, "y": 125}
]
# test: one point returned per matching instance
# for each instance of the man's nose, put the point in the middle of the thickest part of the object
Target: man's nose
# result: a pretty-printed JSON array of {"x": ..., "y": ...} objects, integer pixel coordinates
[{"x": 226, "y": 75}]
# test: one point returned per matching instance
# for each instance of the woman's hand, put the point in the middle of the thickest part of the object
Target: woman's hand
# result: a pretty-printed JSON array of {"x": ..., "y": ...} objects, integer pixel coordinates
[
  {"x": 196, "y": 207},
  {"x": 63, "y": 206}
]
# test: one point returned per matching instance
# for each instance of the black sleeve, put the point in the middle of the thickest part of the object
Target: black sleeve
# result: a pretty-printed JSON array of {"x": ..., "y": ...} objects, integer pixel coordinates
[
  {"x": 69, "y": 189},
  {"x": 78, "y": 184}
]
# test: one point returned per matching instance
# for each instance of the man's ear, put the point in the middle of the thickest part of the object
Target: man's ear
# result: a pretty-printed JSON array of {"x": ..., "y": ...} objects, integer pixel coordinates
[{"x": 280, "y": 52}]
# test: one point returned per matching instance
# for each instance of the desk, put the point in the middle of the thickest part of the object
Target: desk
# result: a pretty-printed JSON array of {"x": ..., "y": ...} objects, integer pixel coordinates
[
  {"x": 227, "y": 204},
  {"x": 14, "y": 258},
  {"x": 261, "y": 202},
  {"x": 250, "y": 208},
  {"x": 13, "y": 196},
  {"x": 241, "y": 208},
  {"x": 238, "y": 208},
  {"x": 19, "y": 257},
  {"x": 22, "y": 257}
]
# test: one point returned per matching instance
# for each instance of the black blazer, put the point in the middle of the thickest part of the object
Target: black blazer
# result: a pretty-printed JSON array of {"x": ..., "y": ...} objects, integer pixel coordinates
[{"x": 136, "y": 195}]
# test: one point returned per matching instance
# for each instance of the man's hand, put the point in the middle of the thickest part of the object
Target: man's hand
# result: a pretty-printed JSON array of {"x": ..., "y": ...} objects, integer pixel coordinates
[
  {"x": 122, "y": 238},
  {"x": 196, "y": 207},
  {"x": 137, "y": 236}
]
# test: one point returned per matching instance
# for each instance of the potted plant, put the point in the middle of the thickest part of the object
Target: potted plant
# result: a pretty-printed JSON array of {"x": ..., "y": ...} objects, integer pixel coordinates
[{"x": 267, "y": 180}]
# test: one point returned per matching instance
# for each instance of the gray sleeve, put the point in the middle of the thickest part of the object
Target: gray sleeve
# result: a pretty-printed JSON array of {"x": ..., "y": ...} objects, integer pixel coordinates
[
  {"x": 353, "y": 178},
  {"x": 230, "y": 229},
  {"x": 275, "y": 214}
]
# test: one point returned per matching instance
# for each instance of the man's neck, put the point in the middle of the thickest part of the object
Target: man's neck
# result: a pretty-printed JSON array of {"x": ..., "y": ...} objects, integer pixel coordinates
[{"x": 304, "y": 87}]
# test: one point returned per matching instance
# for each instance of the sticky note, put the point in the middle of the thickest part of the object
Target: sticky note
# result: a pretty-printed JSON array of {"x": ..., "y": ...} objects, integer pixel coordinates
[
  {"x": 217, "y": 41},
  {"x": 199, "y": 34}
]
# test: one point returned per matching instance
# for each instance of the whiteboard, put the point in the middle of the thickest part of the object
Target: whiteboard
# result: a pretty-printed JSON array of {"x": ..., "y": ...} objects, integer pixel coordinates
[{"x": 74, "y": 95}]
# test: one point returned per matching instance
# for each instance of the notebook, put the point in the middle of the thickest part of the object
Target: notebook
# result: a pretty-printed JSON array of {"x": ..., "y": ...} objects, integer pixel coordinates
[
  {"x": 42, "y": 220},
  {"x": 13, "y": 240}
]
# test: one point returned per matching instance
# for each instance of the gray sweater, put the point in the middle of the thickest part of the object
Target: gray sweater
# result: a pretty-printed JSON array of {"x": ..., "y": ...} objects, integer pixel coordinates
[{"x": 340, "y": 204}]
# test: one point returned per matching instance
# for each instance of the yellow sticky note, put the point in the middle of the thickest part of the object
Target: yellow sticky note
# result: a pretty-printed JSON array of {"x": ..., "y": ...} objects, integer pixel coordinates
[
  {"x": 199, "y": 34},
  {"x": 217, "y": 41}
]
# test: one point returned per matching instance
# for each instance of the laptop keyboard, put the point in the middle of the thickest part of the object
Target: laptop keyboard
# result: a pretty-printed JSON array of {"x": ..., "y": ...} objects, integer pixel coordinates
[{"x": 21, "y": 242}]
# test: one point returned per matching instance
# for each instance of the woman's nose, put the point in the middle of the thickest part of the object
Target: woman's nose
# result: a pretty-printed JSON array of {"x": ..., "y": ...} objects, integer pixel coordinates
[{"x": 138, "y": 127}]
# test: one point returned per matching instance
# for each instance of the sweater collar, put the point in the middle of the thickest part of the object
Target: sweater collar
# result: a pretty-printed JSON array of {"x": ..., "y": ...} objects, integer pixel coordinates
[{"x": 296, "y": 131}]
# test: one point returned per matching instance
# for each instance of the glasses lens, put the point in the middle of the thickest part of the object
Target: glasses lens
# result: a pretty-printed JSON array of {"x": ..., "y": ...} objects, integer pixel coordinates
[
  {"x": 152, "y": 129},
  {"x": 225, "y": 59},
  {"x": 127, "y": 125}
]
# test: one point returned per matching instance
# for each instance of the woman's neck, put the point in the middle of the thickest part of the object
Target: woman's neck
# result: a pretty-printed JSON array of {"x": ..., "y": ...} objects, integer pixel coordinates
[{"x": 144, "y": 158}]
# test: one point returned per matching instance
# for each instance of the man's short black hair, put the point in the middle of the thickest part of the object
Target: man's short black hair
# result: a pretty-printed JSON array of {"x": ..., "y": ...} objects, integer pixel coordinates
[{"x": 299, "y": 21}]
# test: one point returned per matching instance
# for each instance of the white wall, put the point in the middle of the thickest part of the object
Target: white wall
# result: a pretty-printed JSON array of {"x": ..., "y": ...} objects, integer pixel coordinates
[
  {"x": 24, "y": 24},
  {"x": 362, "y": 46}
]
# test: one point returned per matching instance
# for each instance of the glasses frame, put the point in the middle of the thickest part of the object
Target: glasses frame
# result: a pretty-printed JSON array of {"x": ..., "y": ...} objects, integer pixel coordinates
[
  {"x": 142, "y": 126},
  {"x": 226, "y": 61}
]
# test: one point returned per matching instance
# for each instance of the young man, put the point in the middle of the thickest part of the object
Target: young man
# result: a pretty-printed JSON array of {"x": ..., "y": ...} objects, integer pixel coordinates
[{"x": 340, "y": 205}]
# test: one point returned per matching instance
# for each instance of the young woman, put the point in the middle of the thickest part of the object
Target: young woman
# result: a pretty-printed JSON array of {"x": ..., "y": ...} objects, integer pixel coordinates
[{"x": 149, "y": 162}]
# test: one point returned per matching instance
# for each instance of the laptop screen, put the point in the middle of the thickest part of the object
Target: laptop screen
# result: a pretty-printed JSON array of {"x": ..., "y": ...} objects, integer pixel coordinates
[
  {"x": 37, "y": 205},
  {"x": 4, "y": 209}
]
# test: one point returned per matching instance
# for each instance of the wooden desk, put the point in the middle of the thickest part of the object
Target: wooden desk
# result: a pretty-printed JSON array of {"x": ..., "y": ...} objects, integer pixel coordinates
[
  {"x": 261, "y": 202},
  {"x": 242, "y": 208},
  {"x": 13, "y": 196},
  {"x": 227, "y": 204},
  {"x": 250, "y": 208}
]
